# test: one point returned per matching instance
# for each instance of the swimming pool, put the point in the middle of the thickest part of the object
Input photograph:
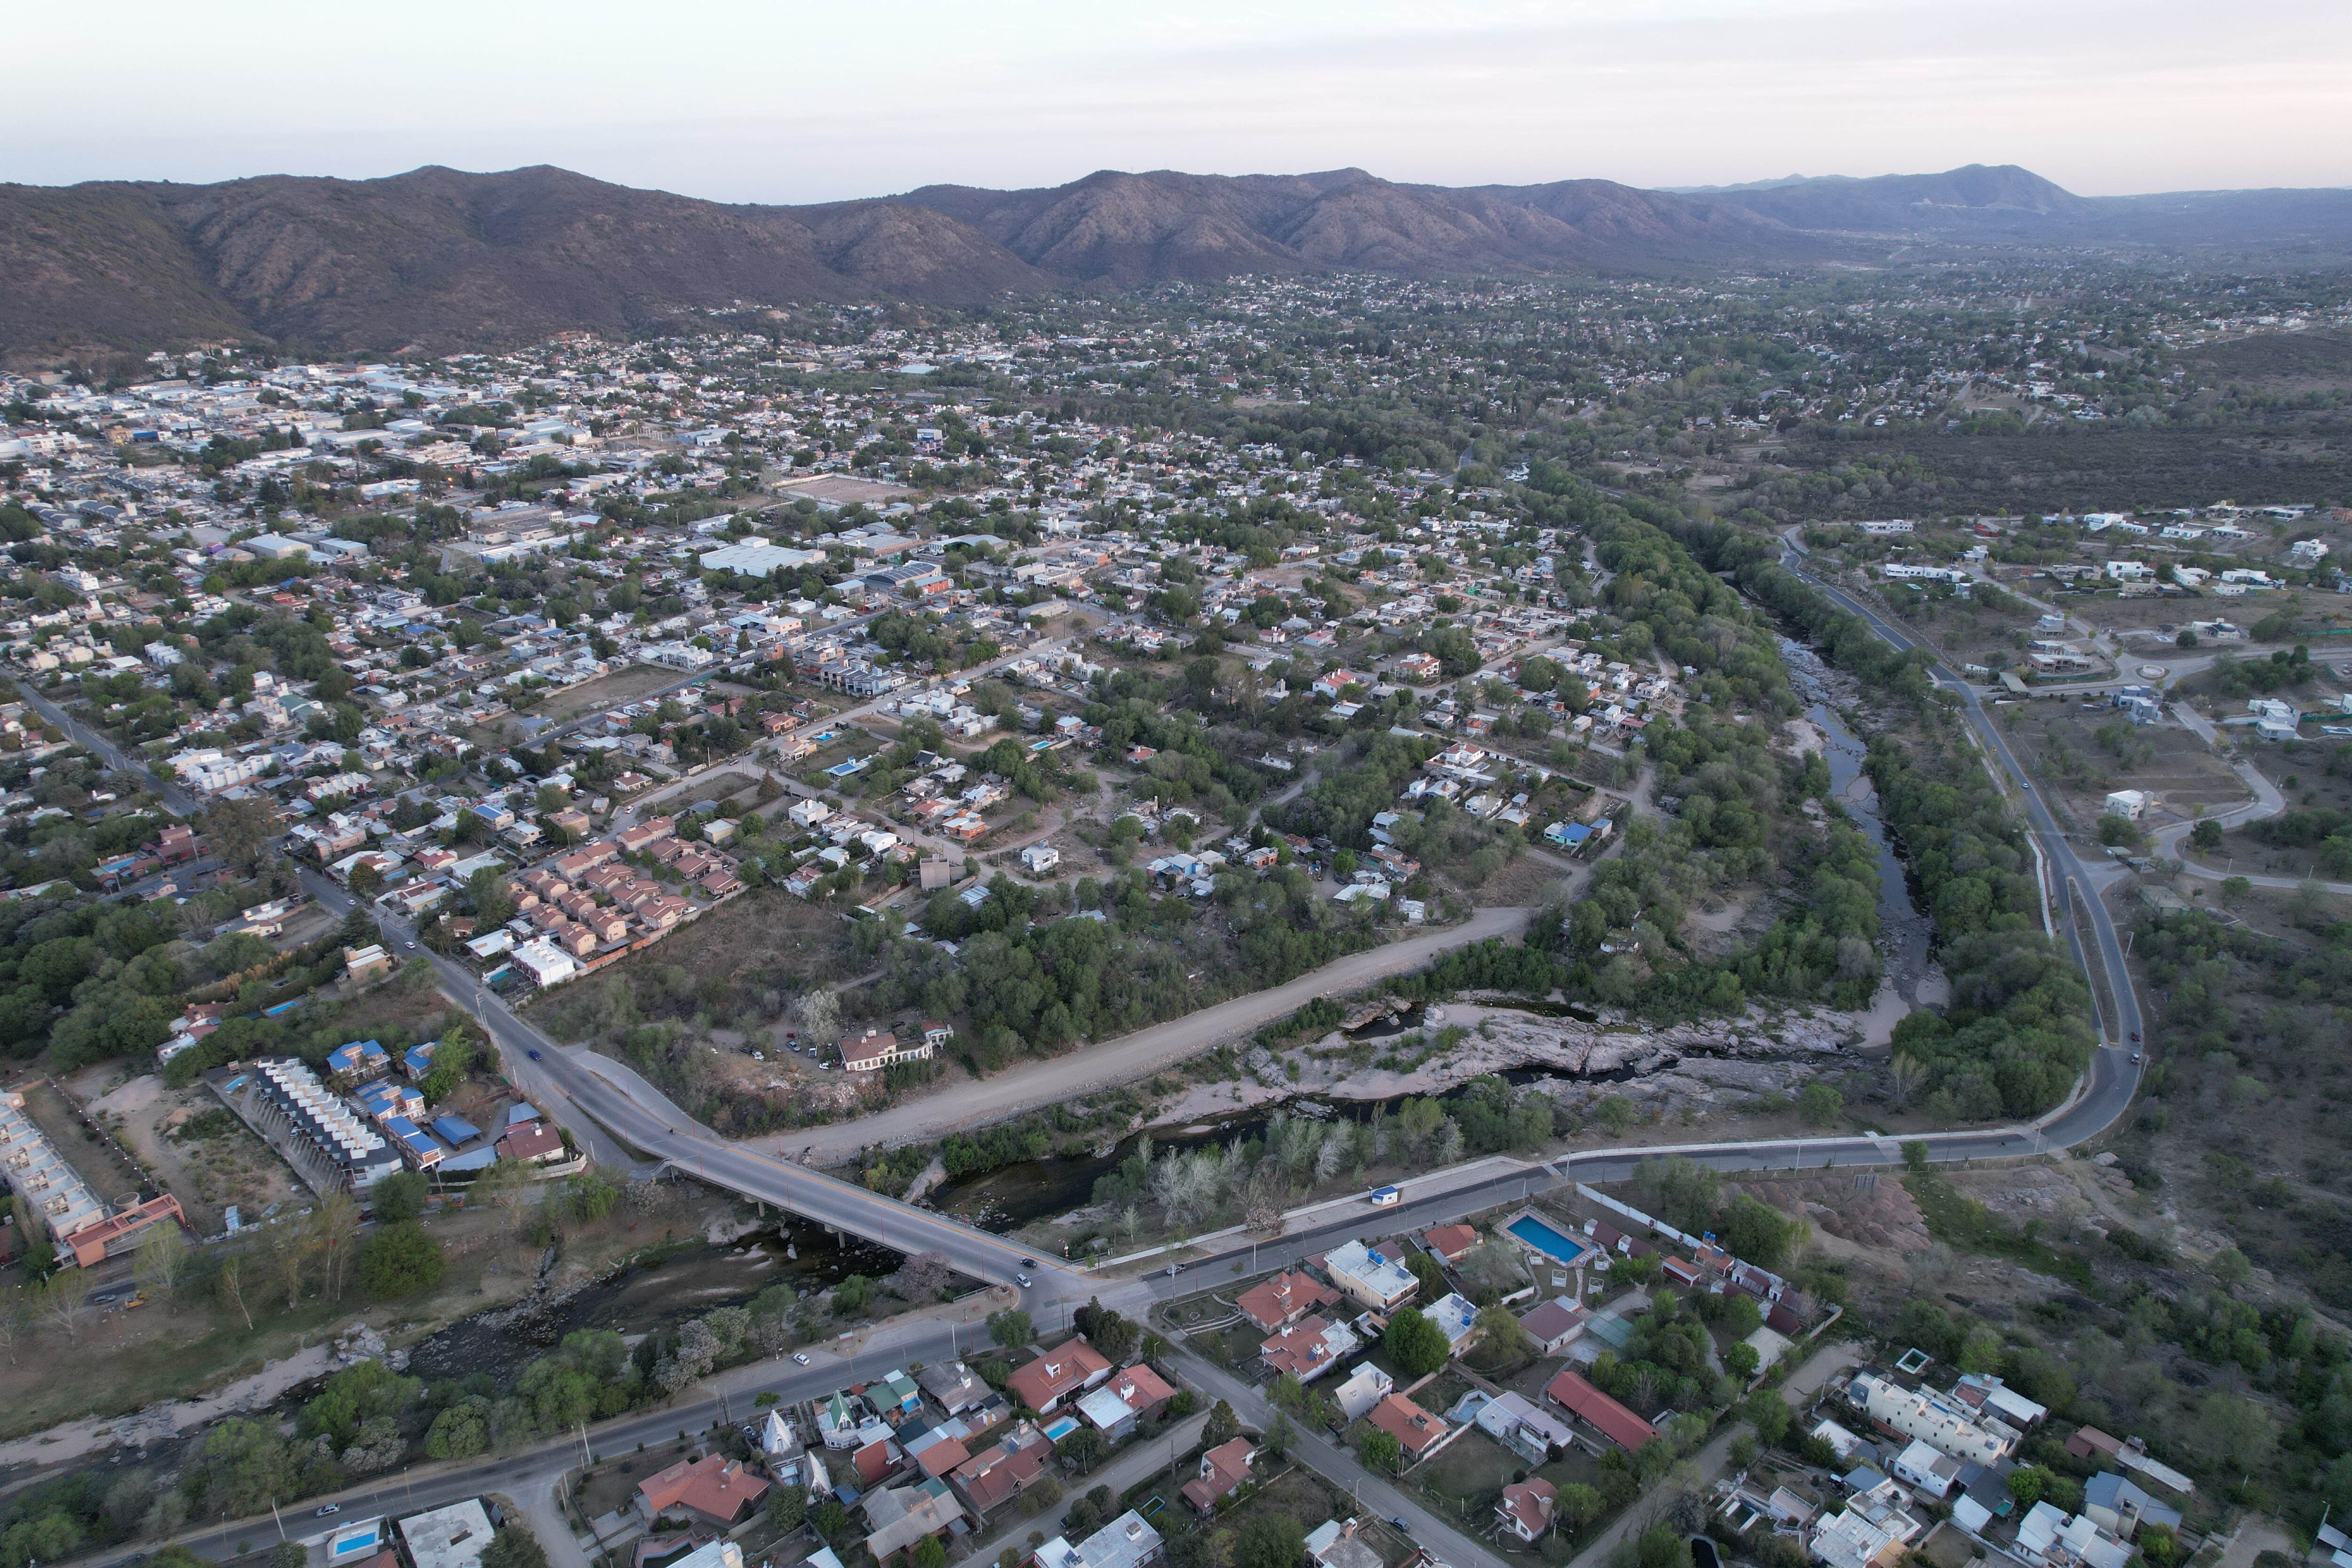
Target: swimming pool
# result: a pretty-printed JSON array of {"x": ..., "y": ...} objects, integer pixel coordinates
[
  {"x": 1532, "y": 1230},
  {"x": 1061, "y": 1428}
]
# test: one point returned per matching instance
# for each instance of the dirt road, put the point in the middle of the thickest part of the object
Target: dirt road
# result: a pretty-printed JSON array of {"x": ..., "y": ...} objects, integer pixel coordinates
[{"x": 961, "y": 1104}]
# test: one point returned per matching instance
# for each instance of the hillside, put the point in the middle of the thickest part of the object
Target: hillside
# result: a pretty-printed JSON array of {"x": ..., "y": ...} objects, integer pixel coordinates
[{"x": 437, "y": 259}]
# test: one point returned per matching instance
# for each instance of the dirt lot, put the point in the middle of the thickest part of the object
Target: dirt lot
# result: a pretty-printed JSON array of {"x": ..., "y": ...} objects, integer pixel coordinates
[
  {"x": 605, "y": 691},
  {"x": 109, "y": 1177},
  {"x": 2082, "y": 752},
  {"x": 2301, "y": 773},
  {"x": 206, "y": 1157}
]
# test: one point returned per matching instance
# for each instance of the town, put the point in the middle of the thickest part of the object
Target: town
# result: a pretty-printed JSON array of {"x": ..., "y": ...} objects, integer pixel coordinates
[{"x": 661, "y": 922}]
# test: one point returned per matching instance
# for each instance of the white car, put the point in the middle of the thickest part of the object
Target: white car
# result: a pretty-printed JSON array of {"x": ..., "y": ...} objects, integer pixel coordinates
[{"x": 801, "y": 1357}]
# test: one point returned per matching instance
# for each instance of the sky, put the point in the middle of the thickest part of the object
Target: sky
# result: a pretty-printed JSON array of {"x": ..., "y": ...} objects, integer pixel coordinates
[{"x": 788, "y": 102}]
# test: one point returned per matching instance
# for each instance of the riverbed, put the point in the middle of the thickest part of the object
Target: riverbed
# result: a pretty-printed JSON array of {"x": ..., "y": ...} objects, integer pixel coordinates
[{"x": 1906, "y": 934}]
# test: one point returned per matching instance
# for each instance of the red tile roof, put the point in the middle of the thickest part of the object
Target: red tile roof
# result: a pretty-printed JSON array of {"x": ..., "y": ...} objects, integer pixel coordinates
[
  {"x": 1450, "y": 1241},
  {"x": 715, "y": 1487},
  {"x": 1610, "y": 1419},
  {"x": 1285, "y": 1299},
  {"x": 1060, "y": 1372},
  {"x": 1223, "y": 1469},
  {"x": 1408, "y": 1423}
]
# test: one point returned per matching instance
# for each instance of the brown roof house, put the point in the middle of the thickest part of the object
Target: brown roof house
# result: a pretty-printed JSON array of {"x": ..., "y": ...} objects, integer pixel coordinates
[
  {"x": 1004, "y": 1471},
  {"x": 1067, "y": 1369},
  {"x": 1526, "y": 1509},
  {"x": 1223, "y": 1468},
  {"x": 1409, "y": 1424},
  {"x": 1278, "y": 1302},
  {"x": 714, "y": 1489}
]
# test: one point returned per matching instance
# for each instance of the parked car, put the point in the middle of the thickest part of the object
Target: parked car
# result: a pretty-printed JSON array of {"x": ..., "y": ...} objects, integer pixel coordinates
[{"x": 801, "y": 1357}]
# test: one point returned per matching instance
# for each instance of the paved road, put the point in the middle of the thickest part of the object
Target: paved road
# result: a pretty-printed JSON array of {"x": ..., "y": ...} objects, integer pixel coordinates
[
  {"x": 2112, "y": 1077},
  {"x": 532, "y": 1473},
  {"x": 177, "y": 799},
  {"x": 1375, "y": 1493},
  {"x": 1134, "y": 1056}
]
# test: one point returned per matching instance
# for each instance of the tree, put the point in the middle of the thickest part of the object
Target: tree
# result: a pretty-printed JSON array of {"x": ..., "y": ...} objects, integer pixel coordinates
[
  {"x": 65, "y": 1297},
  {"x": 334, "y": 1230},
  {"x": 1819, "y": 1104},
  {"x": 1770, "y": 1414},
  {"x": 1010, "y": 1328},
  {"x": 461, "y": 1430},
  {"x": 1271, "y": 1540},
  {"x": 514, "y": 1546},
  {"x": 231, "y": 1285},
  {"x": 240, "y": 832},
  {"x": 2206, "y": 838},
  {"x": 1279, "y": 1434},
  {"x": 1662, "y": 1546},
  {"x": 928, "y": 1553},
  {"x": 1416, "y": 1345},
  {"x": 1980, "y": 1351},
  {"x": 2026, "y": 1485},
  {"x": 400, "y": 1260},
  {"x": 1755, "y": 1231},
  {"x": 1083, "y": 1448},
  {"x": 787, "y": 1507},
  {"x": 1223, "y": 1425},
  {"x": 1580, "y": 1504},
  {"x": 399, "y": 1196},
  {"x": 1379, "y": 1450},
  {"x": 162, "y": 1259}
]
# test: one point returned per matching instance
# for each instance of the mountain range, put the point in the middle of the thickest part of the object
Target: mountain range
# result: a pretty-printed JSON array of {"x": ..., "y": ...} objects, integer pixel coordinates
[{"x": 437, "y": 259}]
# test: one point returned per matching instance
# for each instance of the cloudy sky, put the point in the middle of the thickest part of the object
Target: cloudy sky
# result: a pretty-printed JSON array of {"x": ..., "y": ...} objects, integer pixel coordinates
[{"x": 787, "y": 102}]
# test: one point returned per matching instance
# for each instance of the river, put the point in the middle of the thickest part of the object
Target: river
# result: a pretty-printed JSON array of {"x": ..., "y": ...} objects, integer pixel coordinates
[{"x": 1906, "y": 932}]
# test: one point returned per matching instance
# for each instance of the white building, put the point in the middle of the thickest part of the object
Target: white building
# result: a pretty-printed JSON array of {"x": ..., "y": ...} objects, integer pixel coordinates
[
  {"x": 546, "y": 964},
  {"x": 1040, "y": 858},
  {"x": 2128, "y": 804},
  {"x": 1378, "y": 1282},
  {"x": 1933, "y": 1418},
  {"x": 452, "y": 1537}
]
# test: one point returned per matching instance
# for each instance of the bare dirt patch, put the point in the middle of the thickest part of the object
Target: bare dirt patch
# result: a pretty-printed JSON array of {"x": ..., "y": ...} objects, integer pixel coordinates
[
  {"x": 204, "y": 1155},
  {"x": 2082, "y": 753}
]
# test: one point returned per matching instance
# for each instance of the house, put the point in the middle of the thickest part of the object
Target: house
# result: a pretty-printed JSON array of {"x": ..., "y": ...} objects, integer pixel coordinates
[
  {"x": 359, "y": 1062},
  {"x": 901, "y": 1516},
  {"x": 1127, "y": 1542},
  {"x": 1335, "y": 1543},
  {"x": 2128, "y": 803},
  {"x": 1409, "y": 1424},
  {"x": 1524, "y": 1427},
  {"x": 2117, "y": 1506},
  {"x": 1525, "y": 1512},
  {"x": 1136, "y": 1394},
  {"x": 714, "y": 1489},
  {"x": 1849, "y": 1541},
  {"x": 2048, "y": 1538},
  {"x": 1579, "y": 1398},
  {"x": 1378, "y": 1282},
  {"x": 1308, "y": 1348},
  {"x": 1040, "y": 858},
  {"x": 877, "y": 1049},
  {"x": 1942, "y": 1422},
  {"x": 1067, "y": 1369},
  {"x": 1927, "y": 1469},
  {"x": 1366, "y": 1386},
  {"x": 952, "y": 1385},
  {"x": 1457, "y": 1316},
  {"x": 998, "y": 1474},
  {"x": 1450, "y": 1243},
  {"x": 1223, "y": 1468},
  {"x": 534, "y": 1143},
  {"x": 1555, "y": 1325},
  {"x": 1278, "y": 1302}
]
